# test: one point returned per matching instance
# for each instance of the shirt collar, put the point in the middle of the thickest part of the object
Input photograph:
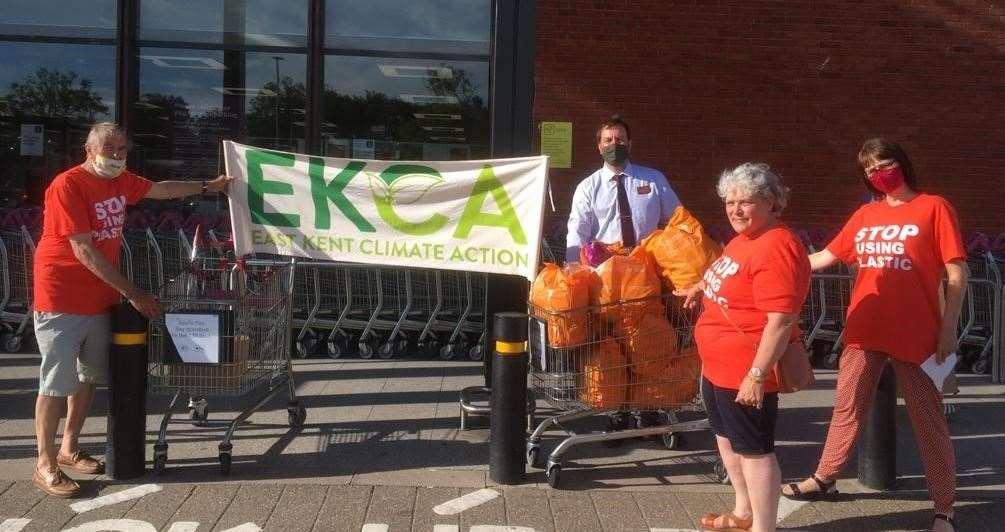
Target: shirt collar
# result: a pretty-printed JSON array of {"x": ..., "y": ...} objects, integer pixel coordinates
[{"x": 607, "y": 175}]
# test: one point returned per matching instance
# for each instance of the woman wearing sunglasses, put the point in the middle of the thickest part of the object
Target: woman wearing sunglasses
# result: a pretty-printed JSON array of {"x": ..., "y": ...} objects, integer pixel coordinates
[{"x": 901, "y": 244}]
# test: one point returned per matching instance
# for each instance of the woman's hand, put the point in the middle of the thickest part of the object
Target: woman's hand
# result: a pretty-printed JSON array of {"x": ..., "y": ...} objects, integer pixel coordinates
[
  {"x": 220, "y": 184},
  {"x": 751, "y": 393},
  {"x": 947, "y": 344},
  {"x": 691, "y": 295}
]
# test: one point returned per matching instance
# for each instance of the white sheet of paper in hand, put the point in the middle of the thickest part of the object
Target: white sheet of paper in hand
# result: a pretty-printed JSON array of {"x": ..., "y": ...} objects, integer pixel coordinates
[{"x": 939, "y": 372}]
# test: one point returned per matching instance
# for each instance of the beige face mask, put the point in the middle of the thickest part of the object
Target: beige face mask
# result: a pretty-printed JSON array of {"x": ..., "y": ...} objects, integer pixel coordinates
[{"x": 108, "y": 167}]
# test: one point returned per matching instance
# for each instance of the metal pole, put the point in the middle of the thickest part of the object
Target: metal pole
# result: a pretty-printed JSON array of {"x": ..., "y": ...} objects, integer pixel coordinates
[
  {"x": 877, "y": 456},
  {"x": 508, "y": 424}
]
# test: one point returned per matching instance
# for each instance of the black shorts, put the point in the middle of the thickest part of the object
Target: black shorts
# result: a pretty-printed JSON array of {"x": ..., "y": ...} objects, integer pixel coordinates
[{"x": 750, "y": 431}]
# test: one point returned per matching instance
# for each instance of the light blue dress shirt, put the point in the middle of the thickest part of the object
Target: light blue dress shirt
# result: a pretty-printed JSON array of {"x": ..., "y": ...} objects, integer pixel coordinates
[{"x": 594, "y": 213}]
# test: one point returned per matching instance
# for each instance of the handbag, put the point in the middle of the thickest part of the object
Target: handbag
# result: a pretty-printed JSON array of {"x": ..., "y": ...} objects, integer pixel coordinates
[{"x": 792, "y": 371}]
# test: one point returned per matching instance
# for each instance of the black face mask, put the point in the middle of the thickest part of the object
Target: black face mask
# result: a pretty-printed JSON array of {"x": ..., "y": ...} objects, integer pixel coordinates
[{"x": 615, "y": 154}]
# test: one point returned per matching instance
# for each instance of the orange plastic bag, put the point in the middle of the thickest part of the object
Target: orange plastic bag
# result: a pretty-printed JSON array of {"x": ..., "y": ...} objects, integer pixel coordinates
[
  {"x": 677, "y": 385},
  {"x": 605, "y": 377},
  {"x": 682, "y": 250},
  {"x": 626, "y": 278},
  {"x": 652, "y": 345},
  {"x": 562, "y": 297}
]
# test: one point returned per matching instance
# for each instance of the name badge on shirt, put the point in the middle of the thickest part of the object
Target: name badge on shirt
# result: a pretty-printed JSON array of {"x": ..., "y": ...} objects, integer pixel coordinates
[{"x": 643, "y": 189}]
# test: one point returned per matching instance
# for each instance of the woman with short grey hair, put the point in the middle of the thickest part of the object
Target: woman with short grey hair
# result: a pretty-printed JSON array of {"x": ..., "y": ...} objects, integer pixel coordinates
[{"x": 752, "y": 296}]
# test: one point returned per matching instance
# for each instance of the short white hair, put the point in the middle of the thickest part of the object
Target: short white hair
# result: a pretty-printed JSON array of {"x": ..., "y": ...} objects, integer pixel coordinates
[
  {"x": 101, "y": 132},
  {"x": 754, "y": 179}
]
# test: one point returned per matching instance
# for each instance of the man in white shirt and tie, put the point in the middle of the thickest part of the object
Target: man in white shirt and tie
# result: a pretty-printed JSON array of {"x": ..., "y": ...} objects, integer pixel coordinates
[{"x": 620, "y": 202}]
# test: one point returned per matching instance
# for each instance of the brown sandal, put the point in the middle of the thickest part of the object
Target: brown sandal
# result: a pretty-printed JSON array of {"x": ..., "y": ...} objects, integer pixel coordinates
[{"x": 732, "y": 523}]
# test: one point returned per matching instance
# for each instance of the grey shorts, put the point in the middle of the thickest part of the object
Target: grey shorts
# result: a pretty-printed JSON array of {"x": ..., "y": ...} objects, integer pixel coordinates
[{"x": 74, "y": 350}]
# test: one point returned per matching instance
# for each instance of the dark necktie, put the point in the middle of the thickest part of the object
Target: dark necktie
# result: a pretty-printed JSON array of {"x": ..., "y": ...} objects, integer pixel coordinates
[{"x": 625, "y": 214}]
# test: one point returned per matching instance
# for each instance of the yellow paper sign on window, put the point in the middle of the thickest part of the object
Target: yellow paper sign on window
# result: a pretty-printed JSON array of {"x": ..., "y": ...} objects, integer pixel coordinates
[{"x": 556, "y": 143}]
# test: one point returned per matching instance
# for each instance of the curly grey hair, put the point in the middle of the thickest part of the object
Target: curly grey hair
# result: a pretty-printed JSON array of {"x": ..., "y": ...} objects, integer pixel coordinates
[
  {"x": 101, "y": 132},
  {"x": 754, "y": 179}
]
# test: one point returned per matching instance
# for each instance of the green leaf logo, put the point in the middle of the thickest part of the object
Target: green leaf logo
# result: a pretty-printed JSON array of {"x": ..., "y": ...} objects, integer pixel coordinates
[{"x": 405, "y": 189}]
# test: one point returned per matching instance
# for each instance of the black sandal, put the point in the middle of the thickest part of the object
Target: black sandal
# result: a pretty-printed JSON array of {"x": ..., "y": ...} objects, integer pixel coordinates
[
  {"x": 945, "y": 518},
  {"x": 828, "y": 491}
]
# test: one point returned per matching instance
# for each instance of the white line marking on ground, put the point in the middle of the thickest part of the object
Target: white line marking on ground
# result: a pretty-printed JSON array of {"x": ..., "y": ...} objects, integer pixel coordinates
[
  {"x": 446, "y": 528},
  {"x": 497, "y": 528},
  {"x": 247, "y": 527},
  {"x": 14, "y": 525},
  {"x": 115, "y": 498},
  {"x": 787, "y": 507},
  {"x": 369, "y": 527},
  {"x": 184, "y": 526},
  {"x": 465, "y": 502},
  {"x": 113, "y": 525}
]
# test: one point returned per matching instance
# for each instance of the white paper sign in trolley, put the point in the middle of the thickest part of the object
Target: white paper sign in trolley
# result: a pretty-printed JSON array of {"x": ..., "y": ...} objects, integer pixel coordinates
[{"x": 196, "y": 337}]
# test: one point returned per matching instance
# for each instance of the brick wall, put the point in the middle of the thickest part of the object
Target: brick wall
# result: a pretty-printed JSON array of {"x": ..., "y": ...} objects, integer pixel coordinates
[{"x": 707, "y": 85}]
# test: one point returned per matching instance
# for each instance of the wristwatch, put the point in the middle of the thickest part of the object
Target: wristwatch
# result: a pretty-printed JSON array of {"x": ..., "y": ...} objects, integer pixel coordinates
[{"x": 757, "y": 374}]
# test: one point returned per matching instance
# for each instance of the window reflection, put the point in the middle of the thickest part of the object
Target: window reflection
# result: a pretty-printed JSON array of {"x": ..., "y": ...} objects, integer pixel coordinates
[
  {"x": 190, "y": 100},
  {"x": 58, "y": 91},
  {"x": 417, "y": 26},
  {"x": 260, "y": 22},
  {"x": 384, "y": 108},
  {"x": 52, "y": 18}
]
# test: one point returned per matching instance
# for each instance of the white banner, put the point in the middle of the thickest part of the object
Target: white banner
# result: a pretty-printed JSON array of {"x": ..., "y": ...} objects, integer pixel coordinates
[{"x": 481, "y": 216}]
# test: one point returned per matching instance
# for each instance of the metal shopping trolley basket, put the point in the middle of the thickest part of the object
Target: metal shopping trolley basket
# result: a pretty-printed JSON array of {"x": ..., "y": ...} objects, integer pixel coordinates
[
  {"x": 634, "y": 357},
  {"x": 224, "y": 331}
]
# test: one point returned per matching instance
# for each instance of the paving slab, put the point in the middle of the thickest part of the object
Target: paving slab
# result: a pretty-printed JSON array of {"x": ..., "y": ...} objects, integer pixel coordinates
[
  {"x": 206, "y": 504},
  {"x": 159, "y": 508},
  {"x": 574, "y": 512},
  {"x": 253, "y": 503},
  {"x": 424, "y": 519},
  {"x": 344, "y": 509},
  {"x": 297, "y": 508},
  {"x": 392, "y": 506}
]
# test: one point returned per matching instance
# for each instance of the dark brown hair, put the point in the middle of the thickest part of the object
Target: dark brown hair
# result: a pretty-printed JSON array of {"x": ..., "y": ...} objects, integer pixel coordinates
[
  {"x": 612, "y": 122},
  {"x": 880, "y": 149}
]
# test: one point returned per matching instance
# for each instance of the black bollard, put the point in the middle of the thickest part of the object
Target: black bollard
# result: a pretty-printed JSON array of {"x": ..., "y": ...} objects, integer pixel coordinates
[
  {"x": 877, "y": 448},
  {"x": 508, "y": 424},
  {"x": 127, "y": 408}
]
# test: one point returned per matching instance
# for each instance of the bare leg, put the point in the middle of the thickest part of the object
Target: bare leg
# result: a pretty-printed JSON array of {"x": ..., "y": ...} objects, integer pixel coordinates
[
  {"x": 764, "y": 479},
  {"x": 78, "y": 406},
  {"x": 732, "y": 461},
  {"x": 48, "y": 410}
]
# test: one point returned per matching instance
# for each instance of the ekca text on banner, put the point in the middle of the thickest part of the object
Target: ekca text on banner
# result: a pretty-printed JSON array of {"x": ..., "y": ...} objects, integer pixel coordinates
[{"x": 481, "y": 216}]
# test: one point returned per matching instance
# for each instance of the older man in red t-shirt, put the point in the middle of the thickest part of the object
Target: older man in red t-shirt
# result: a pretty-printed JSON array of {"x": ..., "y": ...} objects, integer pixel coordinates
[{"x": 76, "y": 283}]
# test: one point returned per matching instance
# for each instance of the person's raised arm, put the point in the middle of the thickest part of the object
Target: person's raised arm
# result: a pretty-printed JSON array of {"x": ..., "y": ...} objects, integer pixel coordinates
[
  {"x": 93, "y": 260},
  {"x": 180, "y": 189}
]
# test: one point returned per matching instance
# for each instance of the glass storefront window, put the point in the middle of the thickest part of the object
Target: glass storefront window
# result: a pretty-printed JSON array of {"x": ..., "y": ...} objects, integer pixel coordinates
[
  {"x": 52, "y": 94},
  {"x": 53, "y": 18},
  {"x": 256, "y": 22},
  {"x": 190, "y": 100},
  {"x": 393, "y": 108},
  {"x": 417, "y": 26}
]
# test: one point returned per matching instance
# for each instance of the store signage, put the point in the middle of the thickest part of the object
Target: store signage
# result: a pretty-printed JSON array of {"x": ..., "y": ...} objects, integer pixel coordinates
[
  {"x": 195, "y": 337},
  {"x": 556, "y": 142},
  {"x": 32, "y": 140},
  {"x": 481, "y": 216}
]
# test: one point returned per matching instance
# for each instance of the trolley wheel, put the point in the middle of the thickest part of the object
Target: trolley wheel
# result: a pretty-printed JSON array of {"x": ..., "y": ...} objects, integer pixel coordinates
[
  {"x": 721, "y": 475},
  {"x": 534, "y": 456},
  {"x": 449, "y": 351},
  {"x": 199, "y": 414},
  {"x": 308, "y": 345},
  {"x": 831, "y": 360},
  {"x": 387, "y": 351},
  {"x": 367, "y": 349},
  {"x": 12, "y": 343},
  {"x": 224, "y": 463},
  {"x": 160, "y": 463},
  {"x": 673, "y": 440},
  {"x": 615, "y": 423},
  {"x": 334, "y": 349},
  {"x": 981, "y": 366},
  {"x": 477, "y": 352},
  {"x": 296, "y": 415},
  {"x": 554, "y": 472}
]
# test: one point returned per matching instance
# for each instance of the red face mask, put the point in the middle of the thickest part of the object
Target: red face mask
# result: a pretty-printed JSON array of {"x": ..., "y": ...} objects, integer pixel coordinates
[{"x": 886, "y": 180}]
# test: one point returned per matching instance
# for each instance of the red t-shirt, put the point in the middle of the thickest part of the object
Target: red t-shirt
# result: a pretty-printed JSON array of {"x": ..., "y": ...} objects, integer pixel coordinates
[
  {"x": 900, "y": 253},
  {"x": 79, "y": 202},
  {"x": 754, "y": 276}
]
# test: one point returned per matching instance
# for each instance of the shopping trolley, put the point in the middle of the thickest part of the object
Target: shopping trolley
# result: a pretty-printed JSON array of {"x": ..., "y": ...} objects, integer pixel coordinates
[
  {"x": 18, "y": 289},
  {"x": 979, "y": 313},
  {"x": 823, "y": 314},
  {"x": 248, "y": 303},
  {"x": 635, "y": 357}
]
